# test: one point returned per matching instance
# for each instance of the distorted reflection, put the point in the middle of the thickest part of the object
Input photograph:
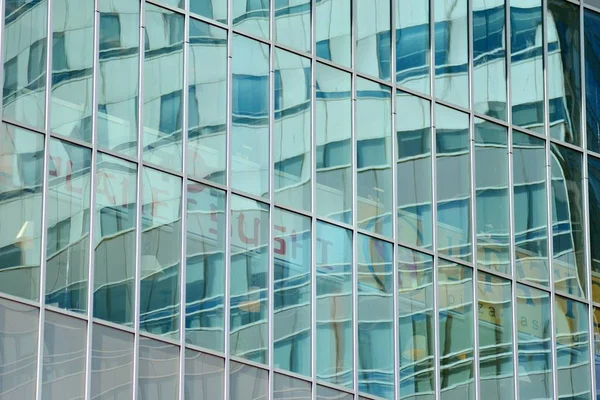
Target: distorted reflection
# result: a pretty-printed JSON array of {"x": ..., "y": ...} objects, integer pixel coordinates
[
  {"x": 204, "y": 375},
  {"x": 247, "y": 382},
  {"x": 213, "y": 9},
  {"x": 596, "y": 344},
  {"x": 333, "y": 31},
  {"x": 251, "y": 16},
  {"x": 326, "y": 393},
  {"x": 591, "y": 25},
  {"x": 293, "y": 23},
  {"x": 288, "y": 388},
  {"x": 112, "y": 364},
  {"x": 373, "y": 38},
  {"x": 158, "y": 375},
  {"x": 594, "y": 215}
]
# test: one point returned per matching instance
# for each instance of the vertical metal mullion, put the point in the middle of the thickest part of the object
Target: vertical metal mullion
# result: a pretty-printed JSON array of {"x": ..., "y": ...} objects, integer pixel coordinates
[
  {"x": 271, "y": 283},
  {"x": 2, "y": 47},
  {"x": 313, "y": 204},
  {"x": 353, "y": 23}
]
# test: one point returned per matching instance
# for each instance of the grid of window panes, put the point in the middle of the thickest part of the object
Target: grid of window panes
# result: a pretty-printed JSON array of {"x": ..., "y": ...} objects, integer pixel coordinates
[{"x": 296, "y": 199}]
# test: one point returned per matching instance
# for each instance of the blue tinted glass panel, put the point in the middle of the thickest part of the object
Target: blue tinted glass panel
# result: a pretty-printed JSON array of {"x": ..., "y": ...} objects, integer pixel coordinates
[
  {"x": 292, "y": 23},
  {"x": 592, "y": 78},
  {"x": 214, "y": 9},
  {"x": 373, "y": 47},
  {"x": 412, "y": 45},
  {"x": 333, "y": 31},
  {"x": 594, "y": 215},
  {"x": 251, "y": 16}
]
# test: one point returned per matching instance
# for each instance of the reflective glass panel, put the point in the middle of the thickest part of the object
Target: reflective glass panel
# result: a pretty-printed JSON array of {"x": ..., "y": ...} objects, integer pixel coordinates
[
  {"x": 292, "y": 23},
  {"x": 158, "y": 375},
  {"x": 451, "y": 52},
  {"x": 596, "y": 332},
  {"x": 72, "y": 64},
  {"x": 334, "y": 144},
  {"x": 117, "y": 84},
  {"x": 112, "y": 364},
  {"x": 453, "y": 183},
  {"x": 413, "y": 170},
  {"x": 160, "y": 258},
  {"x": 412, "y": 44},
  {"x": 288, "y": 388},
  {"x": 530, "y": 208},
  {"x": 247, "y": 382},
  {"x": 207, "y": 102},
  {"x": 204, "y": 375},
  {"x": 375, "y": 317},
  {"x": 63, "y": 372},
  {"x": 24, "y": 57},
  {"x": 18, "y": 350},
  {"x": 374, "y": 157},
  {"x": 526, "y": 64},
  {"x": 334, "y": 305},
  {"x": 250, "y": 115},
  {"x": 373, "y": 49},
  {"x": 491, "y": 196},
  {"x": 21, "y": 176},
  {"x": 495, "y": 337},
  {"x": 535, "y": 349},
  {"x": 214, "y": 9},
  {"x": 455, "y": 297},
  {"x": 592, "y": 77},
  {"x": 251, "y": 16},
  {"x": 292, "y": 143},
  {"x": 333, "y": 31},
  {"x": 114, "y": 240},
  {"x": 249, "y": 286},
  {"x": 595, "y": 3},
  {"x": 205, "y": 266},
  {"x": 489, "y": 58},
  {"x": 572, "y": 348},
  {"x": 325, "y": 393},
  {"x": 291, "y": 291},
  {"x": 564, "y": 71},
  {"x": 594, "y": 215},
  {"x": 68, "y": 225},
  {"x": 163, "y": 84},
  {"x": 172, "y": 3},
  {"x": 415, "y": 325},
  {"x": 568, "y": 221}
]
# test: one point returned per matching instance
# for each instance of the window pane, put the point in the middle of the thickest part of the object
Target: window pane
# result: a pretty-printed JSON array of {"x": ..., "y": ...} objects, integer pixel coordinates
[
  {"x": 567, "y": 221},
  {"x": 325, "y": 393},
  {"x": 333, "y": 31},
  {"x": 535, "y": 350},
  {"x": 572, "y": 348},
  {"x": 68, "y": 226},
  {"x": 564, "y": 71},
  {"x": 526, "y": 64},
  {"x": 373, "y": 157},
  {"x": 72, "y": 64},
  {"x": 248, "y": 383},
  {"x": 334, "y": 144},
  {"x": 592, "y": 77},
  {"x": 288, "y": 388},
  {"x": 63, "y": 373},
  {"x": 412, "y": 45},
  {"x": 334, "y": 305},
  {"x": 495, "y": 337},
  {"x": 172, "y": 3},
  {"x": 594, "y": 215},
  {"x": 373, "y": 50},
  {"x": 249, "y": 279},
  {"x": 21, "y": 172},
  {"x": 453, "y": 183},
  {"x": 250, "y": 116},
  {"x": 214, "y": 9},
  {"x": 415, "y": 325},
  {"x": 251, "y": 16},
  {"x": 413, "y": 170},
  {"x": 24, "y": 55},
  {"x": 292, "y": 290},
  {"x": 163, "y": 84},
  {"x": 291, "y": 132},
  {"x": 158, "y": 376},
  {"x": 160, "y": 262},
  {"x": 451, "y": 52},
  {"x": 455, "y": 293},
  {"x": 18, "y": 346},
  {"x": 207, "y": 102},
  {"x": 114, "y": 243},
  {"x": 530, "y": 219},
  {"x": 596, "y": 332},
  {"x": 491, "y": 196},
  {"x": 205, "y": 266},
  {"x": 117, "y": 83},
  {"x": 204, "y": 375},
  {"x": 292, "y": 23},
  {"x": 112, "y": 364}
]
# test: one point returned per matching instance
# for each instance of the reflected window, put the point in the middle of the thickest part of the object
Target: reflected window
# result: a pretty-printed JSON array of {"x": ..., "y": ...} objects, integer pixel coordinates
[
  {"x": 333, "y": 31},
  {"x": 412, "y": 45},
  {"x": 373, "y": 47},
  {"x": 591, "y": 24},
  {"x": 292, "y": 23},
  {"x": 594, "y": 215},
  {"x": 110, "y": 31},
  {"x": 213, "y": 9},
  {"x": 251, "y": 16}
]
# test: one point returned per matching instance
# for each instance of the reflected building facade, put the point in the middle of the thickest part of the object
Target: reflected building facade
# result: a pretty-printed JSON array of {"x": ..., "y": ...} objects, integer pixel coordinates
[{"x": 274, "y": 199}]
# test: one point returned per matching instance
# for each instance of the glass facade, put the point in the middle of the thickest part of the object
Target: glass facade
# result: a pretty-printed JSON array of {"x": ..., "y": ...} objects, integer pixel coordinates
[{"x": 307, "y": 200}]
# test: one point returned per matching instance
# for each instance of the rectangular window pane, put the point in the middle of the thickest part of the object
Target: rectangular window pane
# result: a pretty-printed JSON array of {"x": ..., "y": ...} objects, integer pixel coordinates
[
  {"x": 596, "y": 332},
  {"x": 375, "y": 317},
  {"x": 112, "y": 364},
  {"x": 594, "y": 215},
  {"x": 292, "y": 143},
  {"x": 158, "y": 375},
  {"x": 214, "y": 9},
  {"x": 334, "y": 305},
  {"x": 207, "y": 102},
  {"x": 247, "y": 382},
  {"x": 288, "y": 388},
  {"x": 326, "y": 393},
  {"x": 249, "y": 319},
  {"x": 250, "y": 116},
  {"x": 334, "y": 144},
  {"x": 591, "y": 25},
  {"x": 251, "y": 16},
  {"x": 160, "y": 258},
  {"x": 114, "y": 243},
  {"x": 163, "y": 87},
  {"x": 204, "y": 375},
  {"x": 333, "y": 31},
  {"x": 21, "y": 176},
  {"x": 292, "y": 249},
  {"x": 24, "y": 57},
  {"x": 413, "y": 170},
  {"x": 205, "y": 266},
  {"x": 68, "y": 225},
  {"x": 292, "y": 23},
  {"x": 117, "y": 83},
  {"x": 373, "y": 47},
  {"x": 374, "y": 157}
]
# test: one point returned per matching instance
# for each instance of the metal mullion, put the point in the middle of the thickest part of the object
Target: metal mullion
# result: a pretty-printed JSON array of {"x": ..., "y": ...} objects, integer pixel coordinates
[
  {"x": 209, "y": 21},
  {"x": 271, "y": 266},
  {"x": 160, "y": 4},
  {"x": 2, "y": 47},
  {"x": 22, "y": 300},
  {"x": 313, "y": 204},
  {"x": 353, "y": 37},
  {"x": 567, "y": 145},
  {"x": 22, "y": 125},
  {"x": 113, "y": 325}
]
